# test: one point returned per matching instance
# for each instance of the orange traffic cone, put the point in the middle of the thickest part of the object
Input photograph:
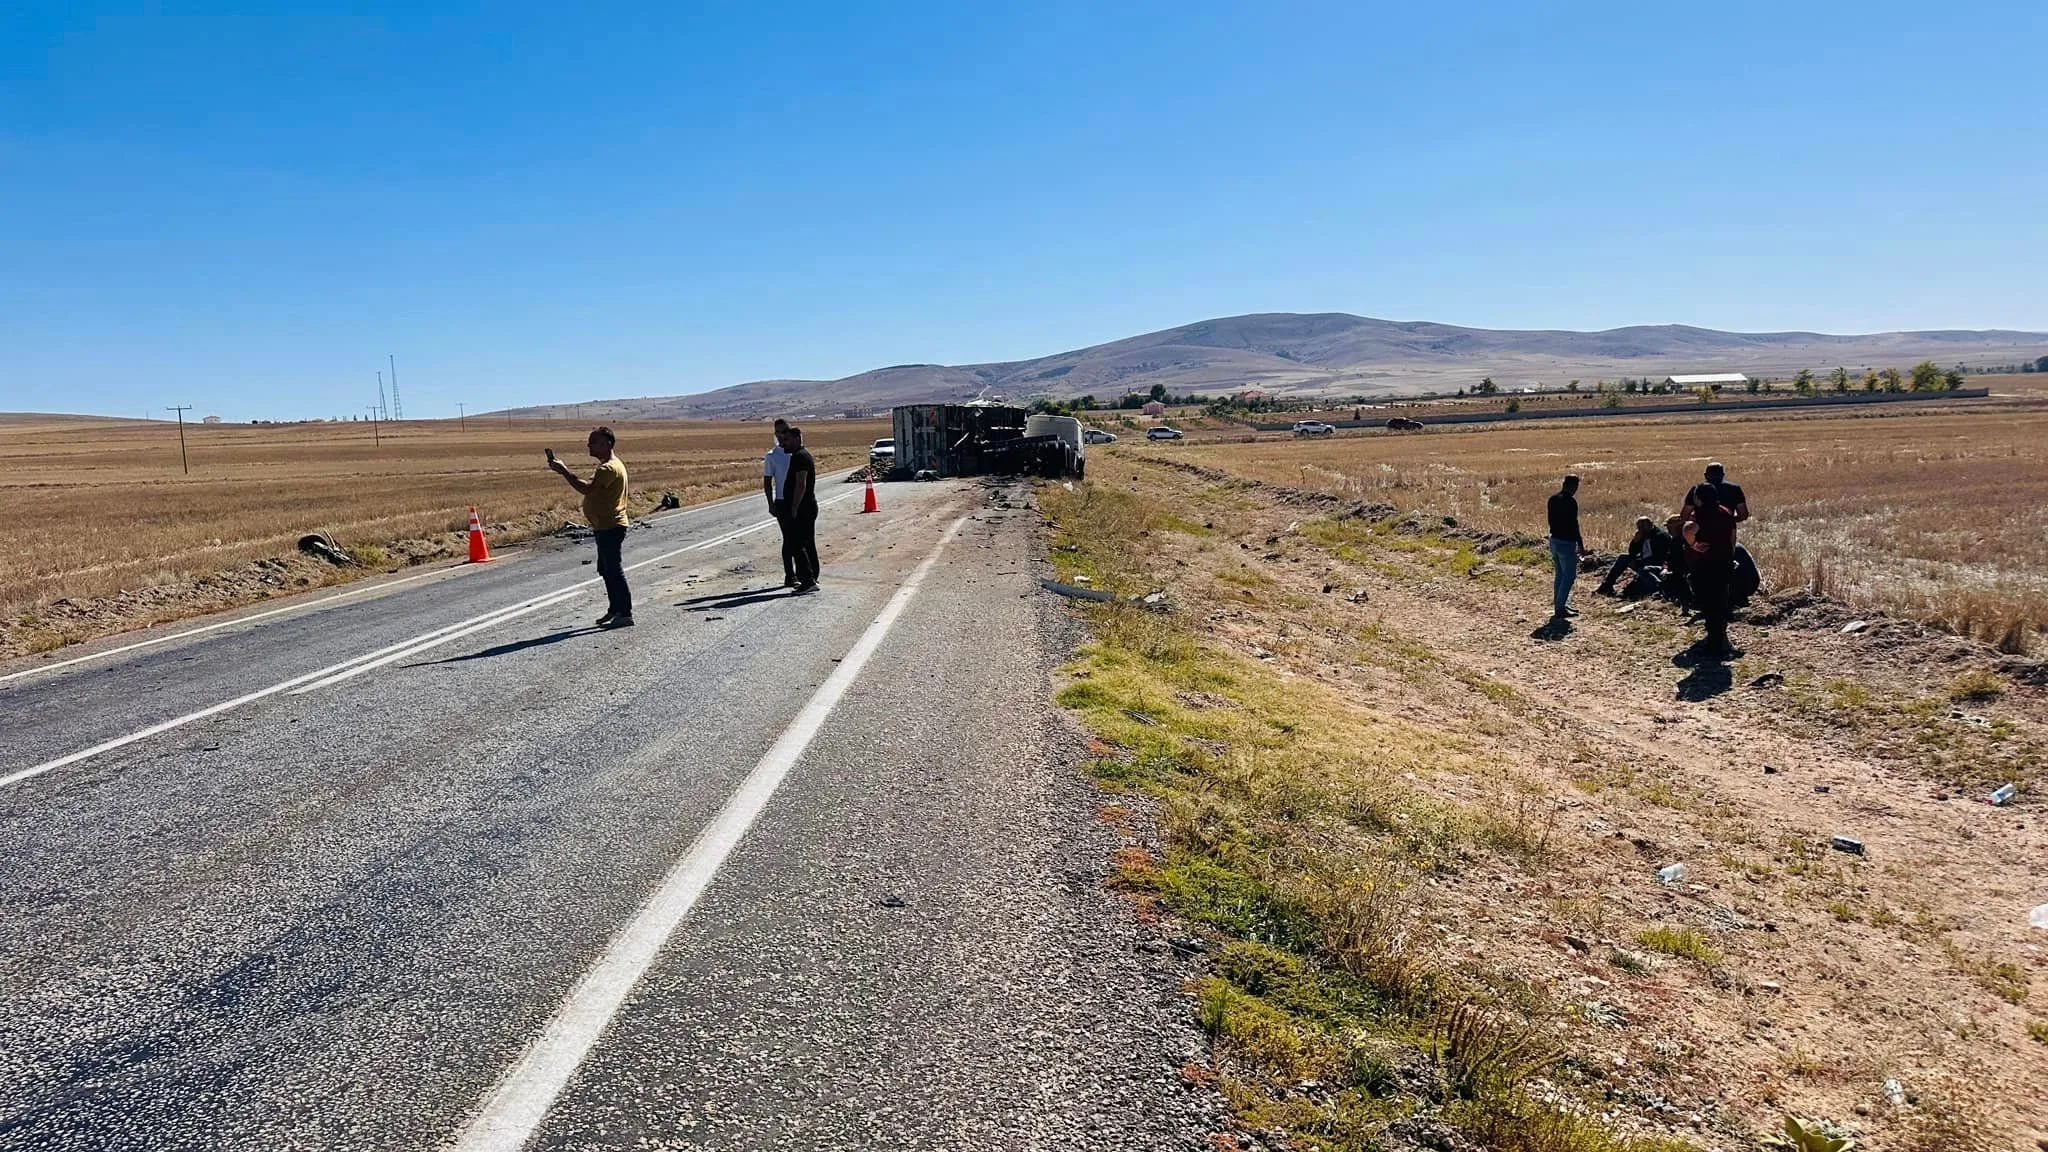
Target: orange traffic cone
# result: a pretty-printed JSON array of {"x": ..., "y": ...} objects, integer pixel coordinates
[
  {"x": 870, "y": 505},
  {"x": 479, "y": 552}
]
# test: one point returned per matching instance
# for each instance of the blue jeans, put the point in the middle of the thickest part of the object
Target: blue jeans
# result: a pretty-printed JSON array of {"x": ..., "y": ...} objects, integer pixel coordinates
[{"x": 1564, "y": 556}]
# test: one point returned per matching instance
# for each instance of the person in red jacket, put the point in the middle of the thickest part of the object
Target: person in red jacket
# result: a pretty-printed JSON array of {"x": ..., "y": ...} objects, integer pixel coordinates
[{"x": 1713, "y": 509}]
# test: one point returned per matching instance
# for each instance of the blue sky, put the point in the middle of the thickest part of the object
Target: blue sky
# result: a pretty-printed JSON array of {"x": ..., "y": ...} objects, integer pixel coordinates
[{"x": 247, "y": 211}]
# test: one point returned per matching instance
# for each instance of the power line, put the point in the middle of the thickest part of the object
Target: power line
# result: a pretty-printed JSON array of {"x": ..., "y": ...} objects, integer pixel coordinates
[{"x": 181, "y": 409}]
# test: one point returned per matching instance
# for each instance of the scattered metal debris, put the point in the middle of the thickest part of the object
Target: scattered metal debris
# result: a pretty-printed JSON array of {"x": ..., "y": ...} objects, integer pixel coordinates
[
  {"x": 317, "y": 544},
  {"x": 1849, "y": 844}
]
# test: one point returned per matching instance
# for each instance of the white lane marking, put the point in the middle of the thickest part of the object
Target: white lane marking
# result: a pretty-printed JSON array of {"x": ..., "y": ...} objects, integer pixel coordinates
[
  {"x": 305, "y": 606},
  {"x": 393, "y": 651},
  {"x": 428, "y": 642},
  {"x": 309, "y": 605},
  {"x": 216, "y": 709},
  {"x": 522, "y": 1099}
]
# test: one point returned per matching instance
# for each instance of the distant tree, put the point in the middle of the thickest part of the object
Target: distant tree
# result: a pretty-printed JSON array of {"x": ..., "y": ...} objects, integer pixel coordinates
[
  {"x": 1158, "y": 392},
  {"x": 1611, "y": 400},
  {"x": 1487, "y": 387},
  {"x": 1706, "y": 395},
  {"x": 2041, "y": 365},
  {"x": 1461, "y": 391},
  {"x": 1892, "y": 380},
  {"x": 1803, "y": 383},
  {"x": 1926, "y": 376},
  {"x": 1755, "y": 385},
  {"x": 1572, "y": 387},
  {"x": 1514, "y": 405},
  {"x": 1840, "y": 379},
  {"x": 1870, "y": 379},
  {"x": 1953, "y": 379}
]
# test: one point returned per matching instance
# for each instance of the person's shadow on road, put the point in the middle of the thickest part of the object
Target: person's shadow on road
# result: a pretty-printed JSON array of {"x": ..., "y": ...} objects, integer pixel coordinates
[
  {"x": 737, "y": 599},
  {"x": 507, "y": 649},
  {"x": 1554, "y": 629}
]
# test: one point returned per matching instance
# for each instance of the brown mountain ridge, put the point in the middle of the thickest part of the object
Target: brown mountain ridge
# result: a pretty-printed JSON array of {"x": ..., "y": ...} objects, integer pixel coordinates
[{"x": 1336, "y": 354}]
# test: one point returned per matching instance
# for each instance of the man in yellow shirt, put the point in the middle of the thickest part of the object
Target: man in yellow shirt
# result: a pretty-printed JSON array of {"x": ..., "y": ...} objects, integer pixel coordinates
[{"x": 604, "y": 509}]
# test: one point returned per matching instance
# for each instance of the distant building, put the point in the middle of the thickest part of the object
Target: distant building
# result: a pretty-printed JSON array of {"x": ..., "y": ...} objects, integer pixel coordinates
[
  {"x": 1713, "y": 380},
  {"x": 211, "y": 420},
  {"x": 1153, "y": 408},
  {"x": 1251, "y": 394}
]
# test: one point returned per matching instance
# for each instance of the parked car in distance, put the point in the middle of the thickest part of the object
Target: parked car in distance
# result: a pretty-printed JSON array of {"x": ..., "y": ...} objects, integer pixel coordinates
[
  {"x": 1098, "y": 436},
  {"x": 1403, "y": 424},
  {"x": 1162, "y": 433},
  {"x": 882, "y": 455},
  {"x": 1313, "y": 428}
]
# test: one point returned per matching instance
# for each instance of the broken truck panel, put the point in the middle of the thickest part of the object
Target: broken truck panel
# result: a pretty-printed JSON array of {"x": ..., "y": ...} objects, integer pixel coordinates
[{"x": 950, "y": 439}]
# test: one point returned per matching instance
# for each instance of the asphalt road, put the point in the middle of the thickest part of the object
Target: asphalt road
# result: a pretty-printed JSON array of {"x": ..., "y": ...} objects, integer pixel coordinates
[{"x": 439, "y": 865}]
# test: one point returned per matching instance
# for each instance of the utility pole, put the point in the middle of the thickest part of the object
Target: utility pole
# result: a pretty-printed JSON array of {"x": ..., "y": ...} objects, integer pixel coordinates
[
  {"x": 376, "y": 434},
  {"x": 181, "y": 409},
  {"x": 461, "y": 416},
  {"x": 397, "y": 405}
]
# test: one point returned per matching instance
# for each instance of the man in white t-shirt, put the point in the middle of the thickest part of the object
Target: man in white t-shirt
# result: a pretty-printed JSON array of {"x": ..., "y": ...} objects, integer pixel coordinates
[{"x": 774, "y": 469}]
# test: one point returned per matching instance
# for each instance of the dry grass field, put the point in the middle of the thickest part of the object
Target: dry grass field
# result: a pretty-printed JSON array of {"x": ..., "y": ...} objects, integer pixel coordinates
[
  {"x": 1427, "y": 855},
  {"x": 99, "y": 507},
  {"x": 1938, "y": 515}
]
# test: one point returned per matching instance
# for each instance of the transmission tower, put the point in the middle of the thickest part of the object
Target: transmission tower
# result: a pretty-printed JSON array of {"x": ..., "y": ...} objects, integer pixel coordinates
[{"x": 397, "y": 405}]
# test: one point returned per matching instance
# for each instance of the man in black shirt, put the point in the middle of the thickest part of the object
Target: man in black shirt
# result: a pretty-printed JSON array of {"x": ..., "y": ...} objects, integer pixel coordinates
[
  {"x": 1649, "y": 556},
  {"x": 800, "y": 500},
  {"x": 1566, "y": 546}
]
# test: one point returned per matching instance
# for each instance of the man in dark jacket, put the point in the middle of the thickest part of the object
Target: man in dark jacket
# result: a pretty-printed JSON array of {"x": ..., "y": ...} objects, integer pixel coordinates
[
  {"x": 1566, "y": 546},
  {"x": 1650, "y": 554},
  {"x": 1712, "y": 510},
  {"x": 800, "y": 498}
]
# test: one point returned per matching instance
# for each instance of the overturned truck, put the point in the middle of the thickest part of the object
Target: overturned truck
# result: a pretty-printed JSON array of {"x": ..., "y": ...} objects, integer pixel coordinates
[{"x": 935, "y": 440}]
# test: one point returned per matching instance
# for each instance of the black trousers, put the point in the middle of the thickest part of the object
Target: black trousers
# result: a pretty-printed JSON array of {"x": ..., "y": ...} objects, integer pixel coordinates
[
  {"x": 1623, "y": 564},
  {"x": 611, "y": 545},
  {"x": 1712, "y": 587},
  {"x": 781, "y": 513},
  {"x": 803, "y": 535}
]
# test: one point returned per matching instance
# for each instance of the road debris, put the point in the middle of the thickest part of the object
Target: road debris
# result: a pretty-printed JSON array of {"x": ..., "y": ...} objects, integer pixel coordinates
[
  {"x": 1671, "y": 874},
  {"x": 1854, "y": 626},
  {"x": 2003, "y": 796},
  {"x": 1075, "y": 592},
  {"x": 316, "y": 544},
  {"x": 1849, "y": 844},
  {"x": 892, "y": 900}
]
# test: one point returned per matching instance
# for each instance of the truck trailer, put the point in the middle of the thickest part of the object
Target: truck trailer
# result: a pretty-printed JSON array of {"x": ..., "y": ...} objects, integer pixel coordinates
[{"x": 983, "y": 439}]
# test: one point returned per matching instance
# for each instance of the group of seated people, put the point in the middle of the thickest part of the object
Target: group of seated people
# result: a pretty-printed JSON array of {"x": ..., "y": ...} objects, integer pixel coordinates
[{"x": 1657, "y": 557}]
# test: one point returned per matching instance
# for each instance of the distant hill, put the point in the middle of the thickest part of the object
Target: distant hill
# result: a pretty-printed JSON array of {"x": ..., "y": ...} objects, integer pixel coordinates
[{"x": 1335, "y": 354}]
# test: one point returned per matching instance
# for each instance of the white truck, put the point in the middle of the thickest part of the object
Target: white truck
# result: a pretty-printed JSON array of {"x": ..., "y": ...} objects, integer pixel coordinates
[{"x": 1061, "y": 440}]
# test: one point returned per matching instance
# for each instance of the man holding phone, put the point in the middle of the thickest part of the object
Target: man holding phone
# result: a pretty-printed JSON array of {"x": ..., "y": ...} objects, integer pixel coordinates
[{"x": 604, "y": 509}]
